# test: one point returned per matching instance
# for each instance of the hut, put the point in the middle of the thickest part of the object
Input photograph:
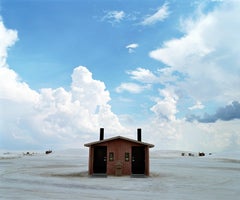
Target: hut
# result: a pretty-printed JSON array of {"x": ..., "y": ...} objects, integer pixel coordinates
[{"x": 119, "y": 156}]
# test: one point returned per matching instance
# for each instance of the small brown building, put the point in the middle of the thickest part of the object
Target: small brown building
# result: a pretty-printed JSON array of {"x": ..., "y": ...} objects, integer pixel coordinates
[{"x": 118, "y": 156}]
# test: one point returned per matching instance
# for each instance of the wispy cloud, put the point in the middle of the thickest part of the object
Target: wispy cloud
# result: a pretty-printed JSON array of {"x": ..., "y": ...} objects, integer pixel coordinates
[
  {"x": 132, "y": 88},
  {"x": 198, "y": 105},
  {"x": 117, "y": 16},
  {"x": 142, "y": 75},
  {"x": 161, "y": 14},
  {"x": 114, "y": 16},
  {"x": 131, "y": 47}
]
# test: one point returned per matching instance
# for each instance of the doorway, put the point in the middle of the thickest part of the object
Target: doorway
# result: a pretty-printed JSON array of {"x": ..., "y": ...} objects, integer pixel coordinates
[
  {"x": 138, "y": 160},
  {"x": 100, "y": 160}
]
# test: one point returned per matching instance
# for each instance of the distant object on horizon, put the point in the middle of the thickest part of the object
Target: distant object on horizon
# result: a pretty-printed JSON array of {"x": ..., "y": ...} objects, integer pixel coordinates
[
  {"x": 48, "y": 151},
  {"x": 119, "y": 156},
  {"x": 192, "y": 154},
  {"x": 201, "y": 154}
]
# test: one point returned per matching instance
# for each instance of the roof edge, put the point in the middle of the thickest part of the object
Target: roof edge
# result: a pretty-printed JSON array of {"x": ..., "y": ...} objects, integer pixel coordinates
[{"x": 118, "y": 137}]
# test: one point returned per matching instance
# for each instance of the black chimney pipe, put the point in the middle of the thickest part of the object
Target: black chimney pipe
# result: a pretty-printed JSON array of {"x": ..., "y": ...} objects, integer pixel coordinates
[
  {"x": 101, "y": 134},
  {"x": 139, "y": 134}
]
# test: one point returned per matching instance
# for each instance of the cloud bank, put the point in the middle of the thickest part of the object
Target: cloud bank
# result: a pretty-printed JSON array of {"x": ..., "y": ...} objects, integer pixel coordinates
[
  {"x": 227, "y": 113},
  {"x": 207, "y": 54},
  {"x": 55, "y": 117},
  {"x": 202, "y": 66}
]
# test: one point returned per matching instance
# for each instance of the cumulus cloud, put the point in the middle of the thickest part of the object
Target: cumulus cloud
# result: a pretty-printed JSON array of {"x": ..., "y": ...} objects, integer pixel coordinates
[
  {"x": 207, "y": 54},
  {"x": 207, "y": 65},
  {"x": 114, "y": 16},
  {"x": 227, "y": 113},
  {"x": 131, "y": 47},
  {"x": 165, "y": 108},
  {"x": 12, "y": 88},
  {"x": 91, "y": 93},
  {"x": 51, "y": 118},
  {"x": 161, "y": 14},
  {"x": 198, "y": 65},
  {"x": 56, "y": 116},
  {"x": 7, "y": 37},
  {"x": 132, "y": 88}
]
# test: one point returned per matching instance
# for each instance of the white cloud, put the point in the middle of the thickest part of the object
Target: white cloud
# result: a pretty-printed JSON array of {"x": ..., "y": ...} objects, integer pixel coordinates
[
  {"x": 51, "y": 118},
  {"x": 132, "y": 88},
  {"x": 164, "y": 76},
  {"x": 182, "y": 135},
  {"x": 114, "y": 16},
  {"x": 7, "y": 37},
  {"x": 166, "y": 108},
  {"x": 143, "y": 75},
  {"x": 161, "y": 14},
  {"x": 11, "y": 86},
  {"x": 131, "y": 47},
  {"x": 56, "y": 116},
  {"x": 13, "y": 89},
  {"x": 198, "y": 105},
  {"x": 207, "y": 54},
  {"x": 91, "y": 93},
  {"x": 83, "y": 109}
]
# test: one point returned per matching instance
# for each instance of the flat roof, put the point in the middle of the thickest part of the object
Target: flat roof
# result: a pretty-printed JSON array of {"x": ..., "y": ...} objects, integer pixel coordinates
[{"x": 117, "y": 138}]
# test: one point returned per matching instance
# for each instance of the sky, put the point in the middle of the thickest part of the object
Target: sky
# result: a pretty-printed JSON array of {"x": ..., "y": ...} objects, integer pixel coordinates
[{"x": 170, "y": 67}]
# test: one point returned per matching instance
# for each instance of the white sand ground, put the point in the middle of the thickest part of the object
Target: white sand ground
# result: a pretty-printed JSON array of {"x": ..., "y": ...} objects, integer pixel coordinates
[{"x": 63, "y": 175}]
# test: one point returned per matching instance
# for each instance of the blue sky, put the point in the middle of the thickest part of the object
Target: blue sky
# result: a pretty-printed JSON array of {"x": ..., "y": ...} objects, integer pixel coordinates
[{"x": 71, "y": 67}]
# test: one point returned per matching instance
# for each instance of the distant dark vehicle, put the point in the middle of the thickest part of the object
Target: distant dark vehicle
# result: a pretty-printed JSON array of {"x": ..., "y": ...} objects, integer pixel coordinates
[
  {"x": 48, "y": 152},
  {"x": 201, "y": 154},
  {"x": 190, "y": 154}
]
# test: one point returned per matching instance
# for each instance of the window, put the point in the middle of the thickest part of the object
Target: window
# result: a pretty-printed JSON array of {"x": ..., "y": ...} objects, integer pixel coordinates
[
  {"x": 111, "y": 156},
  {"x": 126, "y": 156}
]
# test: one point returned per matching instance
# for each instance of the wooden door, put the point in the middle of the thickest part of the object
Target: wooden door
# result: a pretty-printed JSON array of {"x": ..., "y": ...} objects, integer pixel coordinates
[
  {"x": 138, "y": 160},
  {"x": 100, "y": 160}
]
